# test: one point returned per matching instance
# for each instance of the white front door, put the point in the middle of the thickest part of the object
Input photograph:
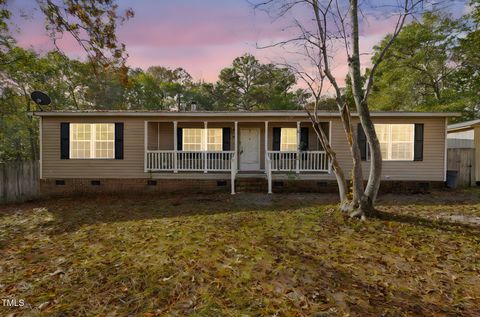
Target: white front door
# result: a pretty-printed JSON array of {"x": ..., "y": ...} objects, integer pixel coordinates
[{"x": 249, "y": 149}]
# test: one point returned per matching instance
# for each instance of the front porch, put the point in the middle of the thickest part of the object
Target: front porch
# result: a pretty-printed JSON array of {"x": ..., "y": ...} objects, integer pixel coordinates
[{"x": 259, "y": 148}]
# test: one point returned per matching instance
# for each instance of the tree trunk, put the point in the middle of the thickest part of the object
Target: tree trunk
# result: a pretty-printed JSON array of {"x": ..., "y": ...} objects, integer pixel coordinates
[
  {"x": 357, "y": 173},
  {"x": 337, "y": 170},
  {"x": 72, "y": 92},
  {"x": 366, "y": 202},
  {"x": 31, "y": 131}
]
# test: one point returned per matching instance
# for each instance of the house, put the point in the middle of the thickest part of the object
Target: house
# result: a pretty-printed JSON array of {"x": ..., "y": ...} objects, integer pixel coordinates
[
  {"x": 465, "y": 135},
  {"x": 201, "y": 151}
]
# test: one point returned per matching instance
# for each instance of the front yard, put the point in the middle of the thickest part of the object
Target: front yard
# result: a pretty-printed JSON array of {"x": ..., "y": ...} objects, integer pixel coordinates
[{"x": 242, "y": 255}]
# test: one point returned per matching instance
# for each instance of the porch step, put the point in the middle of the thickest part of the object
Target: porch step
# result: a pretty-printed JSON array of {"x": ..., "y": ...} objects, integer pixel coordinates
[
  {"x": 251, "y": 184},
  {"x": 251, "y": 175}
]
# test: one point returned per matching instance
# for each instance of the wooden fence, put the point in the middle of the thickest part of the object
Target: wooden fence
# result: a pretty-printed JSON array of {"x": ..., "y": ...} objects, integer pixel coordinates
[
  {"x": 462, "y": 161},
  {"x": 19, "y": 181}
]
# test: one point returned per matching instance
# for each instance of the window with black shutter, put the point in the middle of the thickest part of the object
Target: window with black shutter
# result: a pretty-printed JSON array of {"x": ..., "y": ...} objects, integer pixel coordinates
[
  {"x": 304, "y": 139},
  {"x": 226, "y": 139},
  {"x": 418, "y": 142},
  {"x": 119, "y": 140},
  {"x": 179, "y": 139},
  {"x": 276, "y": 139},
  {"x": 64, "y": 140}
]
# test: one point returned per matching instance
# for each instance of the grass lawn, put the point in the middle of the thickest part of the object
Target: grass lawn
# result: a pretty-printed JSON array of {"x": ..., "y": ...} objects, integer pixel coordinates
[{"x": 242, "y": 255}]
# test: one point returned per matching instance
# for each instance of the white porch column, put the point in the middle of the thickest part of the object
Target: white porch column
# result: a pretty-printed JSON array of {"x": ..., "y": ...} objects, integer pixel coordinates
[
  {"x": 175, "y": 147},
  {"x": 234, "y": 164},
  {"x": 205, "y": 141},
  {"x": 298, "y": 147},
  {"x": 235, "y": 146},
  {"x": 266, "y": 144},
  {"x": 267, "y": 161}
]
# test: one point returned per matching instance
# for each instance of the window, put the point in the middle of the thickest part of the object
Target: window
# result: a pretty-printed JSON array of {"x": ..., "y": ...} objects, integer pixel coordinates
[
  {"x": 202, "y": 140},
  {"x": 396, "y": 141},
  {"x": 192, "y": 139},
  {"x": 288, "y": 140},
  {"x": 92, "y": 140},
  {"x": 215, "y": 140}
]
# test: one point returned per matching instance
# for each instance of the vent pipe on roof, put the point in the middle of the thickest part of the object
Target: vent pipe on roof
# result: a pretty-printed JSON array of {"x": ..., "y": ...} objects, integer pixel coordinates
[{"x": 193, "y": 106}]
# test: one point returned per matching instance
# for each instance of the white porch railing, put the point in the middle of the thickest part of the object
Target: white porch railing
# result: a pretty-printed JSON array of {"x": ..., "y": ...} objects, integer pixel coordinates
[
  {"x": 210, "y": 161},
  {"x": 160, "y": 161},
  {"x": 304, "y": 161},
  {"x": 294, "y": 161}
]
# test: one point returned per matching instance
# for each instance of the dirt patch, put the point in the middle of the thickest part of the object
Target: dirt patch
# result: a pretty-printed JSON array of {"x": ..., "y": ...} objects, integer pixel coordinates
[{"x": 437, "y": 197}]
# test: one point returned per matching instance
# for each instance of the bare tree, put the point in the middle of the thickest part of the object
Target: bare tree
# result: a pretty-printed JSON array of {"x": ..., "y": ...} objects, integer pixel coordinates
[{"x": 327, "y": 26}]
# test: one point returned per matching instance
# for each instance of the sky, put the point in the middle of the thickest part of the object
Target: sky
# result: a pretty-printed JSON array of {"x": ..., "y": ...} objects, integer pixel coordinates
[{"x": 202, "y": 36}]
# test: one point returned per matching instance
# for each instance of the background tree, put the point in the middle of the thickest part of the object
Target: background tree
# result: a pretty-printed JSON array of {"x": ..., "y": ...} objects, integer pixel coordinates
[
  {"x": 250, "y": 85},
  {"x": 433, "y": 66},
  {"x": 466, "y": 78},
  {"x": 420, "y": 63},
  {"x": 327, "y": 25},
  {"x": 92, "y": 23},
  {"x": 17, "y": 81}
]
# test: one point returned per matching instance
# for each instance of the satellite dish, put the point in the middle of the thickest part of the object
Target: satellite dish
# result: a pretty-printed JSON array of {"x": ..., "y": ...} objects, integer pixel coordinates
[{"x": 40, "y": 98}]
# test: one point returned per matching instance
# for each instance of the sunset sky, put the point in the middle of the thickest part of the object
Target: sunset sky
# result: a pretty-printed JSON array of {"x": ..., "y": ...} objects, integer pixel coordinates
[{"x": 201, "y": 36}]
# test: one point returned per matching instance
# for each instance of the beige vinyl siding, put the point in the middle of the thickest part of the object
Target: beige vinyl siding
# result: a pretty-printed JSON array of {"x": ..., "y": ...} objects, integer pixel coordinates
[
  {"x": 132, "y": 166},
  {"x": 430, "y": 169}
]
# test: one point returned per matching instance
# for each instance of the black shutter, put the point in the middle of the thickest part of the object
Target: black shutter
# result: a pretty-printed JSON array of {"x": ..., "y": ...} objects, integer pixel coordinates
[
  {"x": 179, "y": 139},
  {"x": 362, "y": 142},
  {"x": 276, "y": 139},
  {"x": 418, "y": 144},
  {"x": 226, "y": 139},
  {"x": 64, "y": 140},
  {"x": 303, "y": 139},
  {"x": 119, "y": 140}
]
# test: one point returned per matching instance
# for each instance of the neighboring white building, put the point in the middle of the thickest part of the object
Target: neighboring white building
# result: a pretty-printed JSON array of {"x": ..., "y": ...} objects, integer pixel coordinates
[{"x": 466, "y": 135}]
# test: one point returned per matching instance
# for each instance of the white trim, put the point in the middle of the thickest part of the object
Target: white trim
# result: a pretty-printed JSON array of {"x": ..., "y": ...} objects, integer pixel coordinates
[
  {"x": 40, "y": 133},
  {"x": 285, "y": 114}
]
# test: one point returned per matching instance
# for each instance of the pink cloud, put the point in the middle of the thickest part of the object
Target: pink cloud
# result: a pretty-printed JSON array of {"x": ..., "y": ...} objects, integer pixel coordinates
[{"x": 205, "y": 36}]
